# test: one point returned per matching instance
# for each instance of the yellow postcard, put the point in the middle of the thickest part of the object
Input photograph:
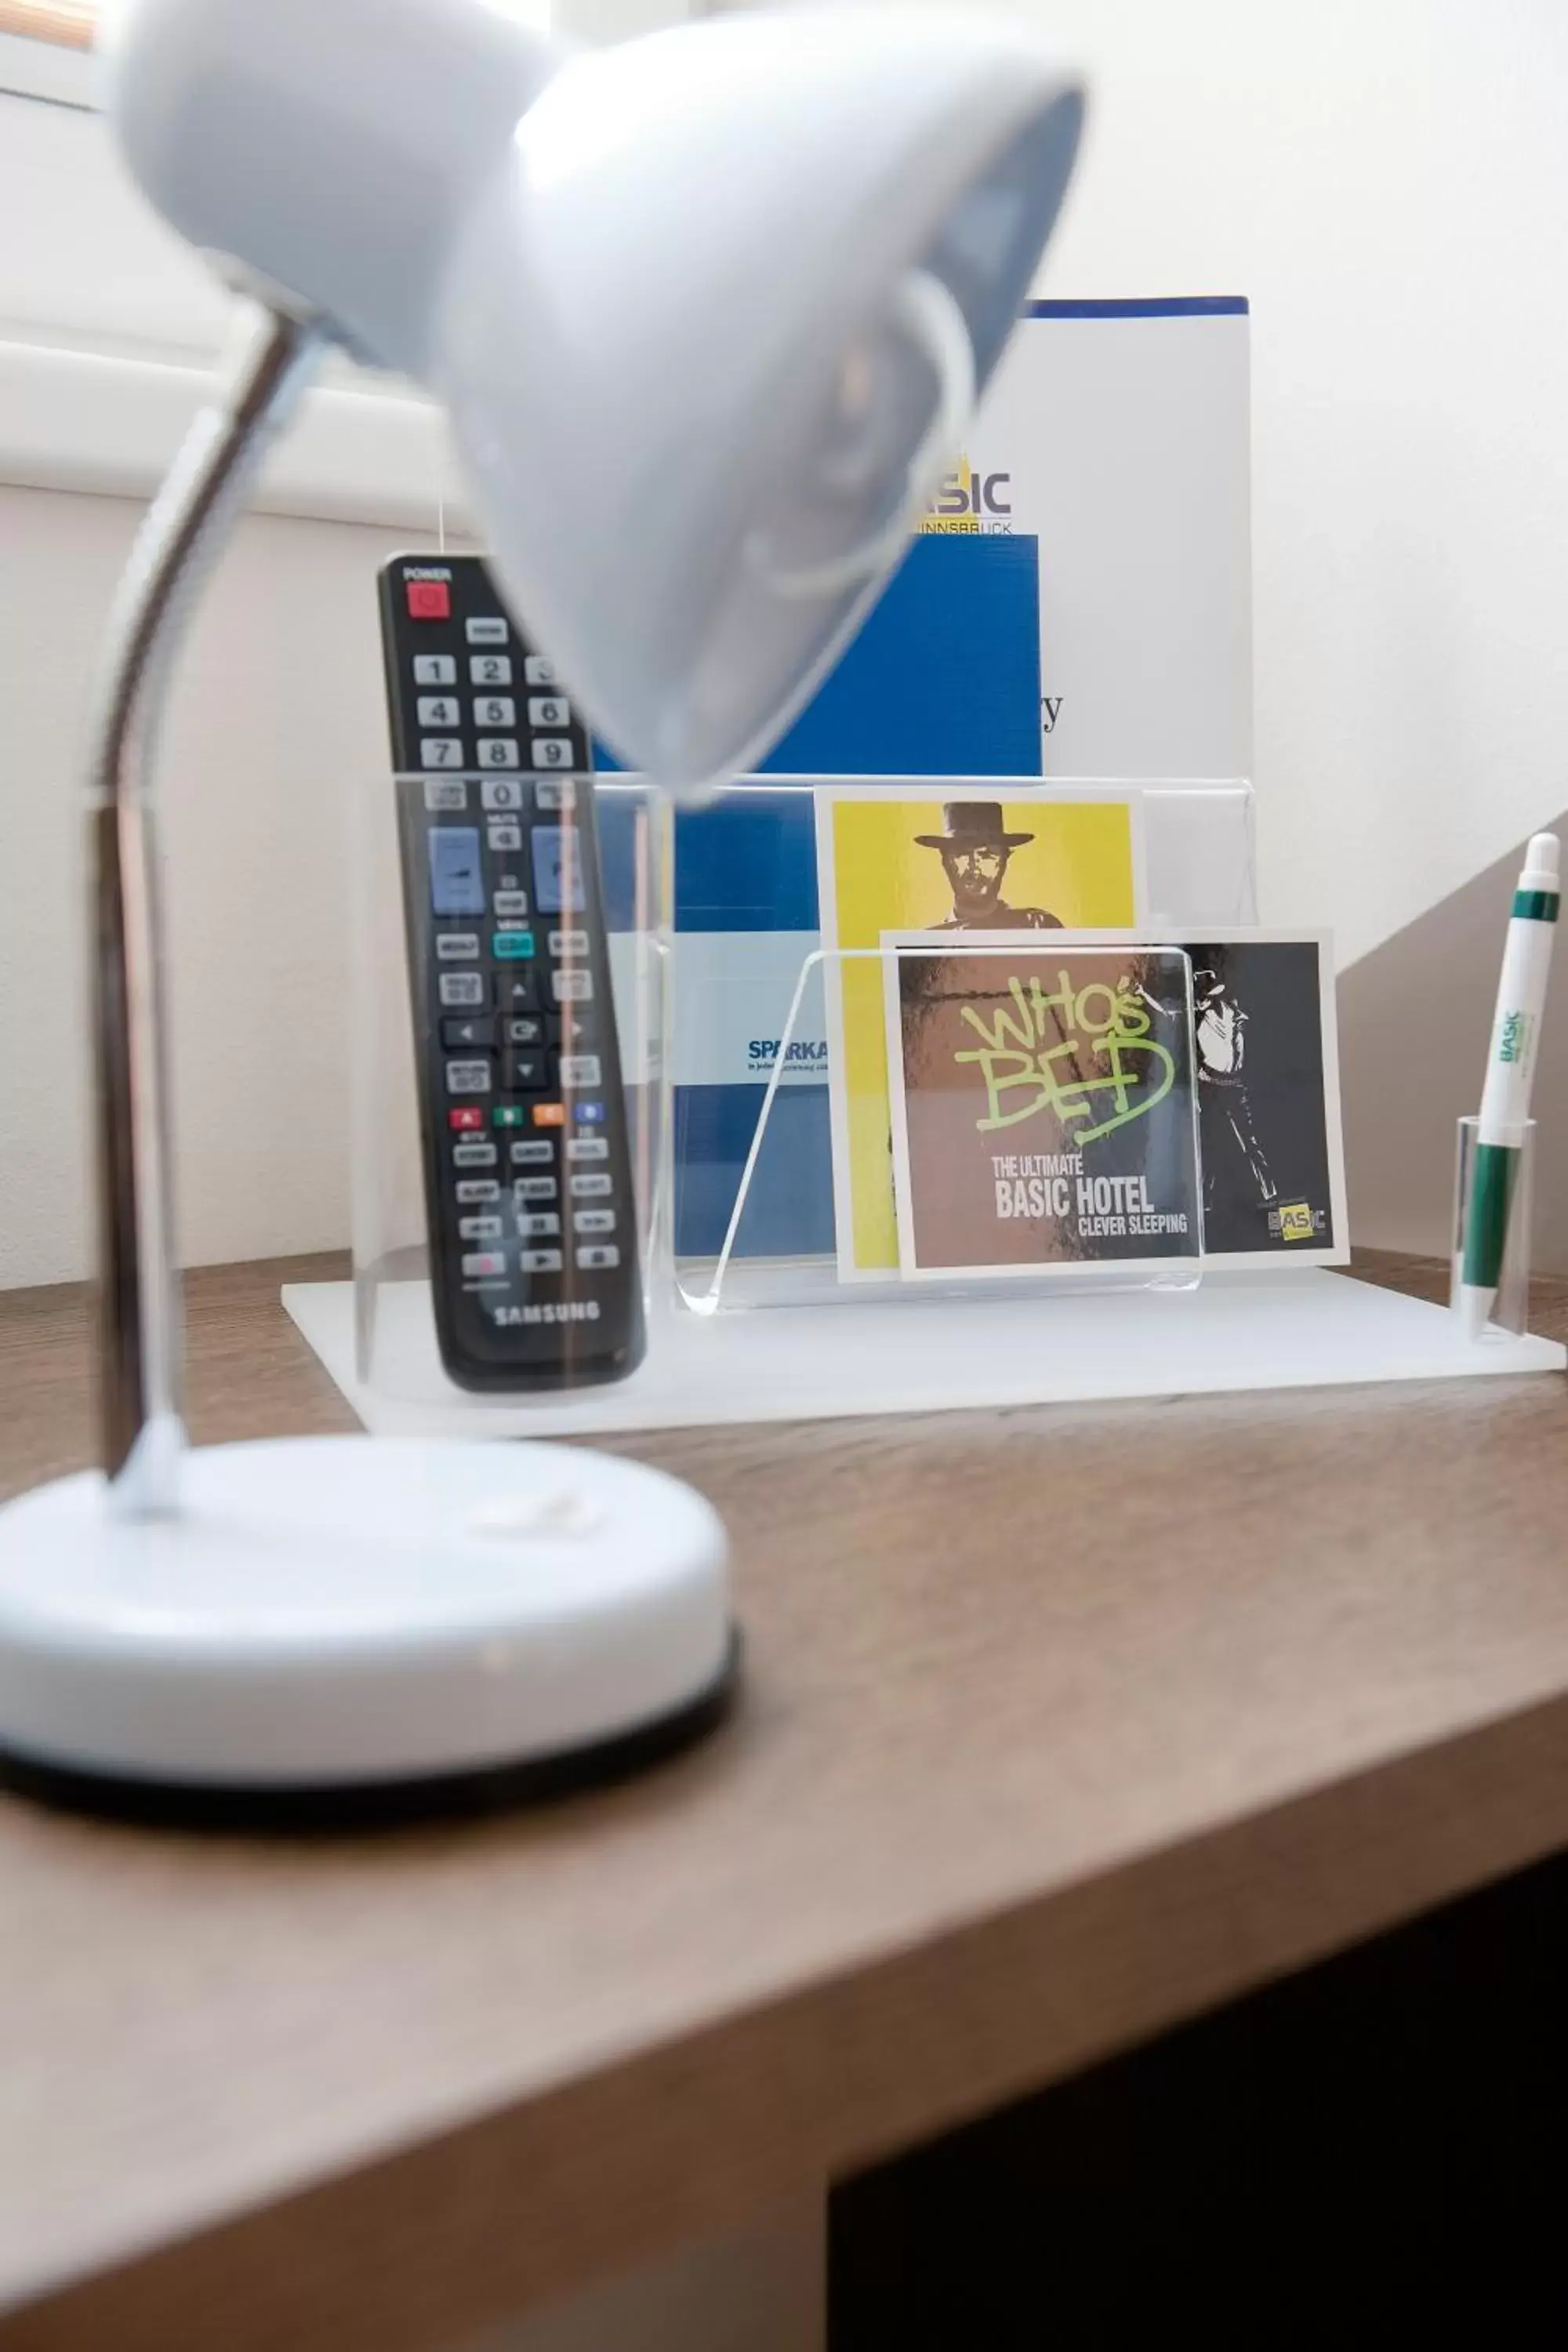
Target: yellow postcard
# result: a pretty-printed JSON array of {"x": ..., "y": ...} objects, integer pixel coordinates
[{"x": 951, "y": 860}]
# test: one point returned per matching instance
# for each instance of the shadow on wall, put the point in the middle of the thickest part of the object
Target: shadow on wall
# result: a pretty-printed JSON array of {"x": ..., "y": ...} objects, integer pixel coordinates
[{"x": 1414, "y": 1021}]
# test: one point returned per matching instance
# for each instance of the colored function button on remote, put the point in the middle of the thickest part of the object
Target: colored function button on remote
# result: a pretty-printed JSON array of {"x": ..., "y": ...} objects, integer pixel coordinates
[
  {"x": 429, "y": 600},
  {"x": 550, "y": 1114},
  {"x": 484, "y": 1265},
  {"x": 538, "y": 670},
  {"x": 588, "y": 1113},
  {"x": 467, "y": 1078},
  {"x": 508, "y": 1115},
  {"x": 487, "y": 631},
  {"x": 511, "y": 947},
  {"x": 459, "y": 987},
  {"x": 533, "y": 1152},
  {"x": 457, "y": 872},
  {"x": 598, "y": 1259},
  {"x": 446, "y": 795},
  {"x": 476, "y": 1192},
  {"x": 435, "y": 669},
  {"x": 540, "y": 1261},
  {"x": 468, "y": 1116}
]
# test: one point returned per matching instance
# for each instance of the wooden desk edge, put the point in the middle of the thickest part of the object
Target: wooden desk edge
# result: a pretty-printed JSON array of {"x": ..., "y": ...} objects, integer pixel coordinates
[{"x": 417, "y": 2249}]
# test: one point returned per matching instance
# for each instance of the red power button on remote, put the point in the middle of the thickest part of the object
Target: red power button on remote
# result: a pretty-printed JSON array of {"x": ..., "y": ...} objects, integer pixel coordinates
[{"x": 429, "y": 600}]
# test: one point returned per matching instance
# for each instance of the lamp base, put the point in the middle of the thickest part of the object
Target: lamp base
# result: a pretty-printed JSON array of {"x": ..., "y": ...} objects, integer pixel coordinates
[{"x": 358, "y": 1624}]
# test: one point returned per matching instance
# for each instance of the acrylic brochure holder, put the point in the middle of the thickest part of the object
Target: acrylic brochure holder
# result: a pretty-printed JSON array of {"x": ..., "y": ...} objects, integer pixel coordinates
[{"x": 724, "y": 988}]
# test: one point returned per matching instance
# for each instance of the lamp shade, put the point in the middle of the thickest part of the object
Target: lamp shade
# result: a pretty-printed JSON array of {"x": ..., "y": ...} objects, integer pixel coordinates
[{"x": 709, "y": 310}]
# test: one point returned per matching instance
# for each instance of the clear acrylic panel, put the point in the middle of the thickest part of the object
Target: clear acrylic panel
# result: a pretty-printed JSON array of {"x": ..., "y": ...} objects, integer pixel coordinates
[{"x": 401, "y": 1150}]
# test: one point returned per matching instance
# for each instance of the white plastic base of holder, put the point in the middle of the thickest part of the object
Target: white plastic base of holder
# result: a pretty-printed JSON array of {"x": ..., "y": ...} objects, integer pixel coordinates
[
  {"x": 1309, "y": 1328},
  {"x": 327, "y": 1612}
]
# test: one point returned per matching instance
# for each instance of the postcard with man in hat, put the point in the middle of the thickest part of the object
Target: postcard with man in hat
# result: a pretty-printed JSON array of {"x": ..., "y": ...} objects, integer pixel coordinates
[{"x": 949, "y": 858}]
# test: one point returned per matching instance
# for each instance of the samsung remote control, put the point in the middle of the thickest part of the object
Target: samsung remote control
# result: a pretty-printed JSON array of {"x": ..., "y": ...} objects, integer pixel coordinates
[{"x": 528, "y": 1184}]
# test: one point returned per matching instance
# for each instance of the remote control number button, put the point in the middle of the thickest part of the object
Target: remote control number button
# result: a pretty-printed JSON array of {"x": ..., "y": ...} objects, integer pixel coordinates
[
  {"x": 501, "y": 793},
  {"x": 459, "y": 988},
  {"x": 587, "y": 1147},
  {"x": 467, "y": 1078},
  {"x": 540, "y": 1261},
  {"x": 438, "y": 710},
  {"x": 572, "y": 984},
  {"x": 592, "y": 1187},
  {"x": 538, "y": 670},
  {"x": 485, "y": 1265},
  {"x": 533, "y": 1152},
  {"x": 598, "y": 1257},
  {"x": 550, "y": 751},
  {"x": 446, "y": 795},
  {"x": 492, "y": 710},
  {"x": 435, "y": 669},
  {"x": 440, "y": 750},
  {"x": 498, "y": 752},
  {"x": 491, "y": 669},
  {"x": 490, "y": 630},
  {"x": 594, "y": 1221},
  {"x": 545, "y": 1228},
  {"x": 477, "y": 1191},
  {"x": 543, "y": 710}
]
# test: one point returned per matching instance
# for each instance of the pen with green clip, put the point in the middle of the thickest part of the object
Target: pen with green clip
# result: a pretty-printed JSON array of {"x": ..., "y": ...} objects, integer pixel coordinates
[{"x": 1510, "y": 1070}]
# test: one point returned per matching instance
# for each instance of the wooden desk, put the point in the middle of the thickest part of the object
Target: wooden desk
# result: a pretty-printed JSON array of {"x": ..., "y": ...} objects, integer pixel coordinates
[{"x": 1061, "y": 1725}]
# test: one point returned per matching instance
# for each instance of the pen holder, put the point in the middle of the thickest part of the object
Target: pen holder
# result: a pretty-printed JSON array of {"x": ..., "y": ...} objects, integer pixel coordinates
[{"x": 1511, "y": 1309}]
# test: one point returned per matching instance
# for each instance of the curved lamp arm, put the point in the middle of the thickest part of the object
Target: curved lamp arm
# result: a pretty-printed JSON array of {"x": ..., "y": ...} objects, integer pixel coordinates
[{"x": 142, "y": 1435}]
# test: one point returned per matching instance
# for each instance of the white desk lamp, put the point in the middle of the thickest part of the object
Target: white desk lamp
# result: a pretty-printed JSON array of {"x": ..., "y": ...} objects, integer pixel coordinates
[{"x": 709, "y": 310}]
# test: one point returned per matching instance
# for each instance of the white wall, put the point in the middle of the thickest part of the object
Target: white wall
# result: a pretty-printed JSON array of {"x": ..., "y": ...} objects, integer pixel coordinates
[{"x": 1384, "y": 182}]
